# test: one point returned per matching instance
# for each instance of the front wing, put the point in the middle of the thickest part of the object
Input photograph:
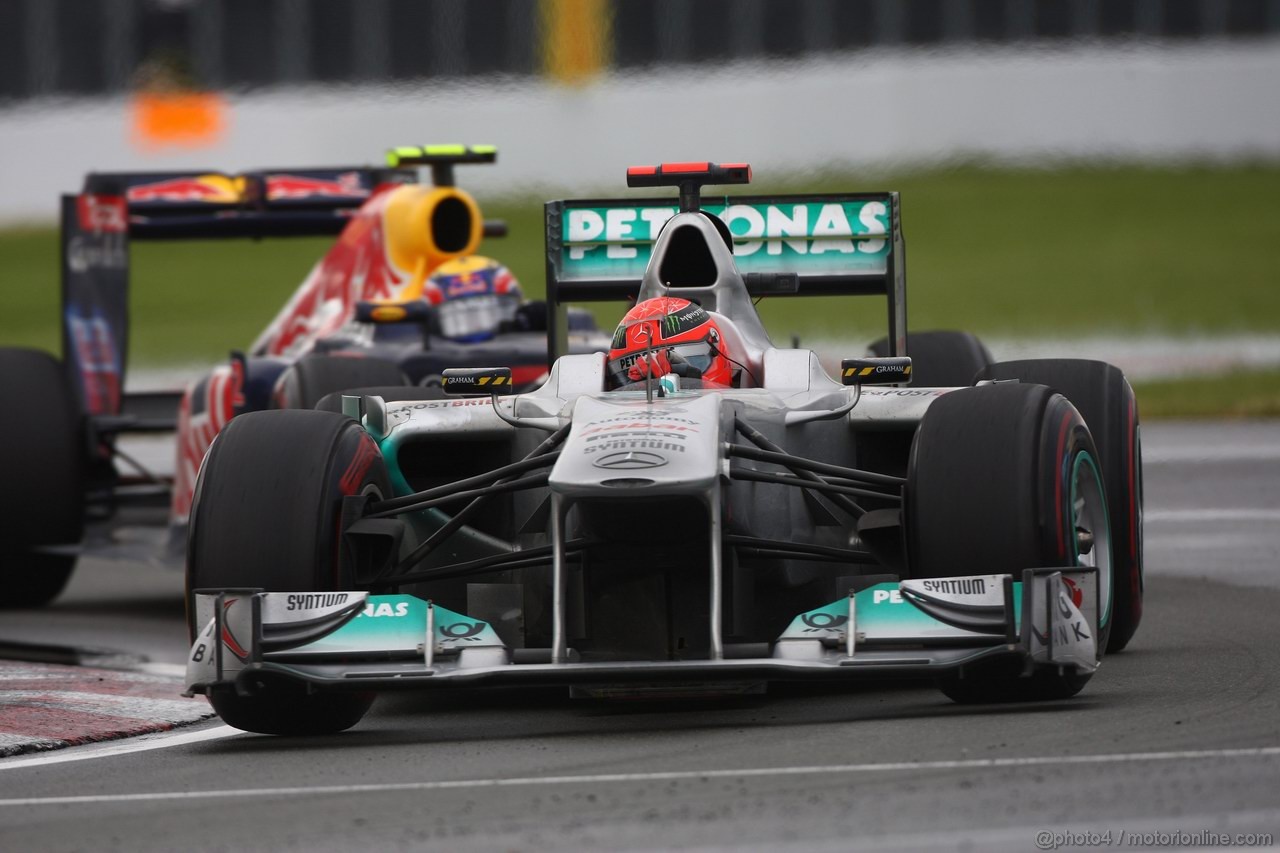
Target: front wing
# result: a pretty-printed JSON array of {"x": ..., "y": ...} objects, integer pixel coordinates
[{"x": 921, "y": 628}]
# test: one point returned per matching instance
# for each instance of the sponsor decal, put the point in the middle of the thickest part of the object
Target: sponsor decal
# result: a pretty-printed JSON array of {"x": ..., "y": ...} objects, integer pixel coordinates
[
  {"x": 689, "y": 318},
  {"x": 385, "y": 608},
  {"x": 358, "y": 268},
  {"x": 644, "y": 442},
  {"x": 904, "y": 392},
  {"x": 806, "y": 236},
  {"x": 630, "y": 460},
  {"x": 312, "y": 601},
  {"x": 228, "y": 639},
  {"x": 892, "y": 596},
  {"x": 85, "y": 253},
  {"x": 95, "y": 353},
  {"x": 822, "y": 621},
  {"x": 642, "y": 426},
  {"x": 211, "y": 188},
  {"x": 102, "y": 214},
  {"x": 1063, "y": 635},
  {"x": 1075, "y": 593},
  {"x": 468, "y": 631},
  {"x": 956, "y": 586},
  {"x": 207, "y": 406},
  {"x": 295, "y": 187},
  {"x": 666, "y": 416}
]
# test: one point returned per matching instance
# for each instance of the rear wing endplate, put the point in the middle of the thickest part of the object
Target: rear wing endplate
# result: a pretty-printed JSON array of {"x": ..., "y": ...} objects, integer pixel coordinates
[{"x": 797, "y": 245}]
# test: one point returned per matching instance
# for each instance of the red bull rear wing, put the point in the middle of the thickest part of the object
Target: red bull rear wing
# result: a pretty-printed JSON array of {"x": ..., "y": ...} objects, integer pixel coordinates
[
  {"x": 272, "y": 202},
  {"x": 116, "y": 207}
]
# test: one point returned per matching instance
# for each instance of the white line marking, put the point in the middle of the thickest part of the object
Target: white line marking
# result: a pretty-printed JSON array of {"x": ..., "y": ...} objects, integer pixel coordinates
[
  {"x": 667, "y": 776},
  {"x": 140, "y": 744},
  {"x": 1191, "y": 515}
]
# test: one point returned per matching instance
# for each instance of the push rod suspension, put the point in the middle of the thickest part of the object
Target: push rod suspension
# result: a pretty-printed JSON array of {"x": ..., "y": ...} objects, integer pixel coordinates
[
  {"x": 546, "y": 450},
  {"x": 762, "y": 441},
  {"x": 825, "y": 487},
  {"x": 789, "y": 461}
]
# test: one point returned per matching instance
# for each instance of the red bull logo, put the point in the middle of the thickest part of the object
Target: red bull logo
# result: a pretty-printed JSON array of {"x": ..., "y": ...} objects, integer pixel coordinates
[
  {"x": 467, "y": 284},
  {"x": 294, "y": 187},
  {"x": 211, "y": 189}
]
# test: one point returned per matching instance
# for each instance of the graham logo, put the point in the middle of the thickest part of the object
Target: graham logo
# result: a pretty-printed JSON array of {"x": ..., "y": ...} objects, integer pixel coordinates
[{"x": 630, "y": 460}]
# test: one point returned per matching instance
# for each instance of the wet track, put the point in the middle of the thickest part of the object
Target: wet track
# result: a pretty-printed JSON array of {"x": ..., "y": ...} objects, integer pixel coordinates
[{"x": 1181, "y": 733}]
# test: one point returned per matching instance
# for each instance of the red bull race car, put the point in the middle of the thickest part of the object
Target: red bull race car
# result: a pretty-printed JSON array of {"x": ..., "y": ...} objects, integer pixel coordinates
[
  {"x": 402, "y": 294},
  {"x": 692, "y": 510}
]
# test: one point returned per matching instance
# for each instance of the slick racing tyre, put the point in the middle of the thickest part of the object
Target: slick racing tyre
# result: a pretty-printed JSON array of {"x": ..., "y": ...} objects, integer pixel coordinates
[
  {"x": 1107, "y": 404},
  {"x": 42, "y": 459},
  {"x": 1004, "y": 478},
  {"x": 311, "y": 379},
  {"x": 940, "y": 359},
  {"x": 265, "y": 514}
]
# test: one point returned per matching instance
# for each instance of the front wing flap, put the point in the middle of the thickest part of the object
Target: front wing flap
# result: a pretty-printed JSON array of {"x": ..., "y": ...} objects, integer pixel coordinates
[{"x": 920, "y": 627}]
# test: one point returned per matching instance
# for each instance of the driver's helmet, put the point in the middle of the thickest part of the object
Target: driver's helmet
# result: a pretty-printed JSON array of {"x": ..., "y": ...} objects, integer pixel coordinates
[
  {"x": 668, "y": 334},
  {"x": 473, "y": 297}
]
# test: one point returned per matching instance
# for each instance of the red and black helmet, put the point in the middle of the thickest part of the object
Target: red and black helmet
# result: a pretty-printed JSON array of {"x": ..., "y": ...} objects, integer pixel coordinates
[{"x": 668, "y": 334}]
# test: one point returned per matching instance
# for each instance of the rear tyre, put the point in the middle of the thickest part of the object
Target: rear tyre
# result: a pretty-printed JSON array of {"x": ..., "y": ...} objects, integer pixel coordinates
[
  {"x": 1107, "y": 403},
  {"x": 42, "y": 460},
  {"x": 1004, "y": 478},
  {"x": 941, "y": 359},
  {"x": 265, "y": 514},
  {"x": 311, "y": 379}
]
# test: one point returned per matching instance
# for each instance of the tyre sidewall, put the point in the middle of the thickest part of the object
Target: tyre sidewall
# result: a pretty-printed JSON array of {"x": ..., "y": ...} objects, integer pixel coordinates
[{"x": 1109, "y": 407}]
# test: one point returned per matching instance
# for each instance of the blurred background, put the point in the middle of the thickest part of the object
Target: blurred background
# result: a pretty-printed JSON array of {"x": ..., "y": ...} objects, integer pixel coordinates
[{"x": 1091, "y": 178}]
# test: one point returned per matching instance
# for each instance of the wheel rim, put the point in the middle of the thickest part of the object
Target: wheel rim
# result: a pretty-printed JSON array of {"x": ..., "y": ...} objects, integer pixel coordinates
[{"x": 1092, "y": 528}]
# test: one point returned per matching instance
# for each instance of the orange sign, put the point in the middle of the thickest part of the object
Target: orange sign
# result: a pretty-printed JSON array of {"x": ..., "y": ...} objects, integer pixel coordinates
[{"x": 178, "y": 119}]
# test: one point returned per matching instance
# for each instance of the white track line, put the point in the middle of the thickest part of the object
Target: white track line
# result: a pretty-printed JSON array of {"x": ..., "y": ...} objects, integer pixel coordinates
[
  {"x": 674, "y": 775},
  {"x": 140, "y": 744},
  {"x": 1191, "y": 515}
]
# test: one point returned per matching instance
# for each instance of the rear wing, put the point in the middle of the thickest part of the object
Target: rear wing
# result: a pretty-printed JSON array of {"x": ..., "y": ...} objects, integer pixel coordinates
[
  {"x": 793, "y": 245},
  {"x": 116, "y": 207}
]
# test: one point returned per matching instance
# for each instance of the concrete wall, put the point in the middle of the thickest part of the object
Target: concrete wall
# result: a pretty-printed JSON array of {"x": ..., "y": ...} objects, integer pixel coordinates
[{"x": 877, "y": 108}]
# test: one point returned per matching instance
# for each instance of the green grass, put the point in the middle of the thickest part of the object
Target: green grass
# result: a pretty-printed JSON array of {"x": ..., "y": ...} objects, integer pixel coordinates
[
  {"x": 1017, "y": 253},
  {"x": 1239, "y": 394}
]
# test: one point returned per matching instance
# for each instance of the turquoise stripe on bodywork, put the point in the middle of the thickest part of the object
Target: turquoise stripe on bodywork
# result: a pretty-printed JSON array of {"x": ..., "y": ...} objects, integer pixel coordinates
[
  {"x": 882, "y": 614},
  {"x": 398, "y": 624}
]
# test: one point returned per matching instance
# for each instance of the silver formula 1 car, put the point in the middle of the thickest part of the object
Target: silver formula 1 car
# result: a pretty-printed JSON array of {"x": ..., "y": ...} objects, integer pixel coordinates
[{"x": 648, "y": 522}]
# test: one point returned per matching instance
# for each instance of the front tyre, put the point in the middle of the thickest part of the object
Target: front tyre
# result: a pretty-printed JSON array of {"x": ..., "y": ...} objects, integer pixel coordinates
[
  {"x": 1108, "y": 405},
  {"x": 1004, "y": 478},
  {"x": 266, "y": 514}
]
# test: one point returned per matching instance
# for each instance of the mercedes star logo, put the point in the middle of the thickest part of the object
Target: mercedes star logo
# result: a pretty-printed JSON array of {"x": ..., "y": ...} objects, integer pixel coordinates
[{"x": 630, "y": 460}]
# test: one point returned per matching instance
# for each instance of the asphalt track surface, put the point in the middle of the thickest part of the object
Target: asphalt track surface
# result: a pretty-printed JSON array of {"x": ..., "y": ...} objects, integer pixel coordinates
[{"x": 1179, "y": 734}]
